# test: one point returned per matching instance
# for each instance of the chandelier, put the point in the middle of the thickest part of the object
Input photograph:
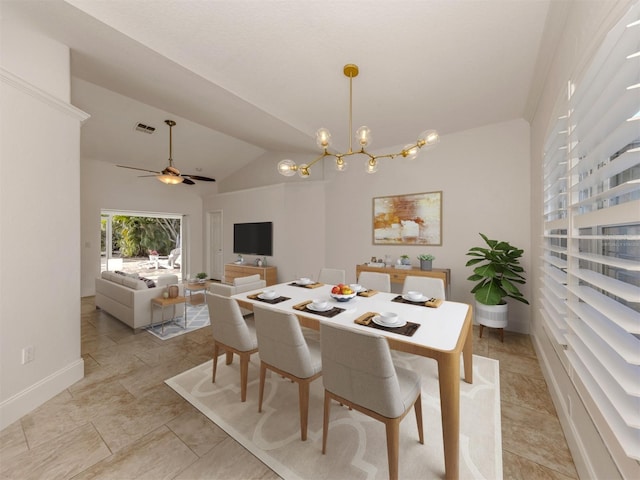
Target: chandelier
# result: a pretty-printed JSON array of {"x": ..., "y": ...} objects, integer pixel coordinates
[{"x": 363, "y": 136}]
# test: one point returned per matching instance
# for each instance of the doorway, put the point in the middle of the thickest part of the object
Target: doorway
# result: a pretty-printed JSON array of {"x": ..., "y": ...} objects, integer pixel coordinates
[
  {"x": 142, "y": 243},
  {"x": 214, "y": 244}
]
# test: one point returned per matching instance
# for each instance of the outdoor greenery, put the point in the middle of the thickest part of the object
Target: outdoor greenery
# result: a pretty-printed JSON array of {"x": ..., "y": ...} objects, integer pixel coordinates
[{"x": 136, "y": 236}]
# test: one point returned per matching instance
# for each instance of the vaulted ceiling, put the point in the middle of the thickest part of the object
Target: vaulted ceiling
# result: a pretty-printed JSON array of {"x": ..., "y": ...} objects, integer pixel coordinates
[{"x": 242, "y": 77}]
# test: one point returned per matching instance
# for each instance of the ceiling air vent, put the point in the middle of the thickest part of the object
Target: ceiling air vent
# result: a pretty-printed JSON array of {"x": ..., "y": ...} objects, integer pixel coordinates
[{"x": 141, "y": 127}]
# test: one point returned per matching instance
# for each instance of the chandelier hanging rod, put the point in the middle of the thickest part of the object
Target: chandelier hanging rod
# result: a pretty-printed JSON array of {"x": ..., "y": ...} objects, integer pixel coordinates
[{"x": 288, "y": 167}]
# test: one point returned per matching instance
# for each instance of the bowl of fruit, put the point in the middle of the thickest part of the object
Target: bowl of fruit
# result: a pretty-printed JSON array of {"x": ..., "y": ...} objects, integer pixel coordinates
[{"x": 343, "y": 293}]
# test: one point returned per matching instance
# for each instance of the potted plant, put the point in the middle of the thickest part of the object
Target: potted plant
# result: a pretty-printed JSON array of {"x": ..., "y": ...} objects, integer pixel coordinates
[
  {"x": 425, "y": 261},
  {"x": 201, "y": 277},
  {"x": 498, "y": 273},
  {"x": 405, "y": 260}
]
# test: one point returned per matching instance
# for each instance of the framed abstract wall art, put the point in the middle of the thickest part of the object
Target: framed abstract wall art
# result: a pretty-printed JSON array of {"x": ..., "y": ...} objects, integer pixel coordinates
[{"x": 412, "y": 219}]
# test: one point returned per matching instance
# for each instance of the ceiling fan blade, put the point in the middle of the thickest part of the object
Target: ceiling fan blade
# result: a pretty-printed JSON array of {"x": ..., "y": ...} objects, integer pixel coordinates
[
  {"x": 186, "y": 181},
  {"x": 141, "y": 169},
  {"x": 199, "y": 177}
]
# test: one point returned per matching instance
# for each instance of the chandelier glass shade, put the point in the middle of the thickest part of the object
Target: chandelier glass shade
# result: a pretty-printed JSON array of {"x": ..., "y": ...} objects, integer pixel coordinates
[{"x": 363, "y": 137}]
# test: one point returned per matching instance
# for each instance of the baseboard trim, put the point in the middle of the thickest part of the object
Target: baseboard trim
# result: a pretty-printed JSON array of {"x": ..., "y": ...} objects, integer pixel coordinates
[{"x": 30, "y": 398}]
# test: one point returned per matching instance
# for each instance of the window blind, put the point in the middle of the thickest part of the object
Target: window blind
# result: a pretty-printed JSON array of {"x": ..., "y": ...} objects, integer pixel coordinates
[{"x": 590, "y": 301}]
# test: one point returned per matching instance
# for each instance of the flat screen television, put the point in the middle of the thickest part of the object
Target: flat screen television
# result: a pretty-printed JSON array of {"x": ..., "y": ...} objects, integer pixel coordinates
[{"x": 254, "y": 238}]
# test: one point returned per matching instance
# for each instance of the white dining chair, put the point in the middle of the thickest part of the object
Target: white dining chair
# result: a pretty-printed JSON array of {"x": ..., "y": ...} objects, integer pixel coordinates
[
  {"x": 232, "y": 333},
  {"x": 358, "y": 372},
  {"x": 331, "y": 276},
  {"x": 375, "y": 281},
  {"x": 284, "y": 350},
  {"x": 431, "y": 287}
]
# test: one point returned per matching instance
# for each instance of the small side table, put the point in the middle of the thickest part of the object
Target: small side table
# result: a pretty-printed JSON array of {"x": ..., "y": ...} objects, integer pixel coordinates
[
  {"x": 168, "y": 302},
  {"x": 196, "y": 287}
]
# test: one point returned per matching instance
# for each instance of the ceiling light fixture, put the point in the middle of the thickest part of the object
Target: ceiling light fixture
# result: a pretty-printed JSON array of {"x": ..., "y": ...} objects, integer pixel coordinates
[
  {"x": 170, "y": 175},
  {"x": 288, "y": 167}
]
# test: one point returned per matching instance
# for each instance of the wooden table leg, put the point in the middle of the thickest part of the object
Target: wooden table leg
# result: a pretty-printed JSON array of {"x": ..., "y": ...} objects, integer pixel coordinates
[
  {"x": 449, "y": 380},
  {"x": 467, "y": 349}
]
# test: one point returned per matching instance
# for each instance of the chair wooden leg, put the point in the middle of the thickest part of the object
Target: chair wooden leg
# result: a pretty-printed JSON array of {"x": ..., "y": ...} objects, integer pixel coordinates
[
  {"x": 244, "y": 375},
  {"x": 216, "y": 352},
  {"x": 393, "y": 446},
  {"x": 325, "y": 422},
  {"x": 229, "y": 357},
  {"x": 303, "y": 395},
  {"x": 263, "y": 375},
  {"x": 418, "y": 409}
]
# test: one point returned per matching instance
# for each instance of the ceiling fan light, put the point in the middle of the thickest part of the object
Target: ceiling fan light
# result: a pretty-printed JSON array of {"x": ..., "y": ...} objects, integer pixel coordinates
[{"x": 170, "y": 179}]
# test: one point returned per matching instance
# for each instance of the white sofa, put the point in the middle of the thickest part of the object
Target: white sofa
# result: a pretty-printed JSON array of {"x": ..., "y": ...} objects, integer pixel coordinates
[
  {"x": 239, "y": 285},
  {"x": 129, "y": 299}
]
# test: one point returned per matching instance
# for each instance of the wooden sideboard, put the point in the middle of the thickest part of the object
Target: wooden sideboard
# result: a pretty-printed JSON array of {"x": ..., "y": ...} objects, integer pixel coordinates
[
  {"x": 398, "y": 274},
  {"x": 234, "y": 270}
]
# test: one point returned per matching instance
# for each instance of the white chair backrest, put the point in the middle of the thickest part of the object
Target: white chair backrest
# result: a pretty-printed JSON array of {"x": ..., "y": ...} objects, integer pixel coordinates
[
  {"x": 357, "y": 366},
  {"x": 331, "y": 276},
  {"x": 375, "y": 281},
  {"x": 281, "y": 343},
  {"x": 227, "y": 324},
  {"x": 431, "y": 287}
]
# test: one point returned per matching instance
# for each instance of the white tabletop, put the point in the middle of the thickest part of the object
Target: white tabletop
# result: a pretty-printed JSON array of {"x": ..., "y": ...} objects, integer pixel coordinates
[{"x": 440, "y": 328}]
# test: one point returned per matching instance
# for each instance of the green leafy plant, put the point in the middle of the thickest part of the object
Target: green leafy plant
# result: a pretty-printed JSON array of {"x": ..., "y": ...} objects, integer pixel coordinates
[
  {"x": 426, "y": 256},
  {"x": 201, "y": 275},
  {"x": 498, "y": 275}
]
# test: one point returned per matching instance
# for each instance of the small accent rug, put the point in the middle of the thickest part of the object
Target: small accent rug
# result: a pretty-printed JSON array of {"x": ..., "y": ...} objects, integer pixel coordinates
[
  {"x": 356, "y": 445},
  {"x": 197, "y": 317}
]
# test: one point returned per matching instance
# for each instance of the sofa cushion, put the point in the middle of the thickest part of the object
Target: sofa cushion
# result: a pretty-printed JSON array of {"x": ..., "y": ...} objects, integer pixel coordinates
[
  {"x": 245, "y": 280},
  {"x": 133, "y": 283},
  {"x": 164, "y": 280},
  {"x": 112, "y": 277}
]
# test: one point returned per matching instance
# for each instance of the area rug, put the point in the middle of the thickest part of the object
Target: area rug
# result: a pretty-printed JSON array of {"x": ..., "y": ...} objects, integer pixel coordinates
[
  {"x": 356, "y": 447},
  {"x": 197, "y": 317}
]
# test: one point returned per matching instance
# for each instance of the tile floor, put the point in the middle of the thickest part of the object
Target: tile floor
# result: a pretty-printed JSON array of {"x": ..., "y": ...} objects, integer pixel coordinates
[{"x": 122, "y": 422}]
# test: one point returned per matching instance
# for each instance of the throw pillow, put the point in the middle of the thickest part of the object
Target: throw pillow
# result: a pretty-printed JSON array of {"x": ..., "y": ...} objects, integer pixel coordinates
[{"x": 150, "y": 283}]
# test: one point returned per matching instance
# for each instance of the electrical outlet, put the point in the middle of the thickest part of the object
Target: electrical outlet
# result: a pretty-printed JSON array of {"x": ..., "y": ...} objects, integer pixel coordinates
[{"x": 28, "y": 354}]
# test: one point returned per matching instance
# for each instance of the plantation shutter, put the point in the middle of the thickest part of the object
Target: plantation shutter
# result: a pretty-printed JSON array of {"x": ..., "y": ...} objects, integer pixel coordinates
[{"x": 591, "y": 266}]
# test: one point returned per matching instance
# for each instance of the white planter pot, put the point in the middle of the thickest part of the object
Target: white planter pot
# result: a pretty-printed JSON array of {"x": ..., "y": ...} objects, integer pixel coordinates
[{"x": 494, "y": 316}]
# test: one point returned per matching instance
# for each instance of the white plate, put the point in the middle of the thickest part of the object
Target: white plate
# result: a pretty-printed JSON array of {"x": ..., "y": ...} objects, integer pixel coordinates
[
  {"x": 316, "y": 309},
  {"x": 424, "y": 298},
  {"x": 400, "y": 323},
  {"x": 298, "y": 282},
  {"x": 262, "y": 297}
]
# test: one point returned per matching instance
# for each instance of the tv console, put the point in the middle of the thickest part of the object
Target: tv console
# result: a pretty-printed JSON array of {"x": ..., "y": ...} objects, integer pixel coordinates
[{"x": 235, "y": 270}]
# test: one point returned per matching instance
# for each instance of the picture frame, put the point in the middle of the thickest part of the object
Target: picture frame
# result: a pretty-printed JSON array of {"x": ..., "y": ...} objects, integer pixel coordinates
[{"x": 408, "y": 219}]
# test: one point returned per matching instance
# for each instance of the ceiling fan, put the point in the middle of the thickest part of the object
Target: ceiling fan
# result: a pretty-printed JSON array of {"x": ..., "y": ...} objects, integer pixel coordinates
[{"x": 171, "y": 175}]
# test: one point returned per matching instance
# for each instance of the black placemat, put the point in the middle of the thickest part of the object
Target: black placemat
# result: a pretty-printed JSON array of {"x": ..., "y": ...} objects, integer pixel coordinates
[
  {"x": 272, "y": 301},
  {"x": 407, "y": 329},
  {"x": 431, "y": 304},
  {"x": 309, "y": 285},
  {"x": 302, "y": 307}
]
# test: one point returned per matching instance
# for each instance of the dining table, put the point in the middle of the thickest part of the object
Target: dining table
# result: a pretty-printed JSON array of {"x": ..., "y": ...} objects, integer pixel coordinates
[{"x": 441, "y": 330}]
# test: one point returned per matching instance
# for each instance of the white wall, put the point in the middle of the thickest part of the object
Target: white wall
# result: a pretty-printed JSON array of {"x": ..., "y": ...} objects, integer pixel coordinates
[
  {"x": 297, "y": 241},
  {"x": 484, "y": 176},
  {"x": 39, "y": 223},
  {"x": 104, "y": 186},
  {"x": 587, "y": 24}
]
